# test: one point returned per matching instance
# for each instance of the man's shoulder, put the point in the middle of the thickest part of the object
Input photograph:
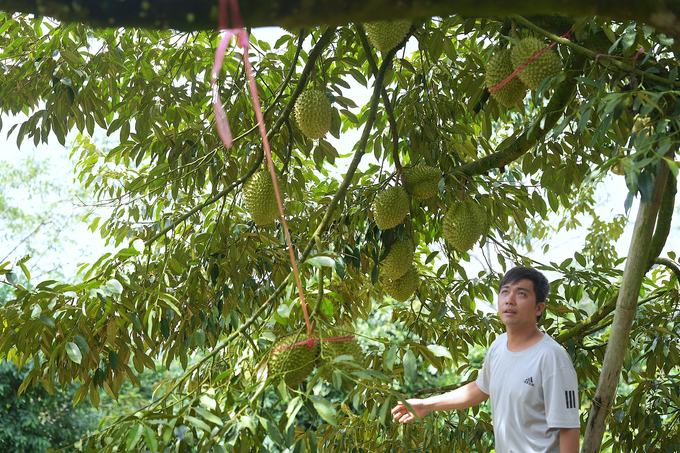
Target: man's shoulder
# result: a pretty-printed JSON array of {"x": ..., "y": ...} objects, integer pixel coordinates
[
  {"x": 551, "y": 348},
  {"x": 501, "y": 340}
]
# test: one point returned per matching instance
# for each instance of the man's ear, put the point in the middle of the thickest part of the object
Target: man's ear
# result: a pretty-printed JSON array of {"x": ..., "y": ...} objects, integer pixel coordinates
[{"x": 540, "y": 308}]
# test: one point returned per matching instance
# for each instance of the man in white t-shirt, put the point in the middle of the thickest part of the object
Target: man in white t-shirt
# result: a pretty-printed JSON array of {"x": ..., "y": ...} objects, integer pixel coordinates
[{"x": 528, "y": 376}]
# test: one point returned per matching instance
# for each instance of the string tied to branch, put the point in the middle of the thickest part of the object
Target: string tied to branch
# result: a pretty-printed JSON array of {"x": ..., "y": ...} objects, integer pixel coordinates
[{"x": 230, "y": 8}]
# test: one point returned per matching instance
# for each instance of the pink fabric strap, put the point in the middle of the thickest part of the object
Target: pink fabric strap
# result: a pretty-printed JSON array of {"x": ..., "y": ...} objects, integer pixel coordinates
[{"x": 222, "y": 122}]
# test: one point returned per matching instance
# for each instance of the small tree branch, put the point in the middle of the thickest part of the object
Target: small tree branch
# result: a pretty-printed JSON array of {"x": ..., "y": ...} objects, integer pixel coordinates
[
  {"x": 560, "y": 99},
  {"x": 385, "y": 97},
  {"x": 673, "y": 266}
]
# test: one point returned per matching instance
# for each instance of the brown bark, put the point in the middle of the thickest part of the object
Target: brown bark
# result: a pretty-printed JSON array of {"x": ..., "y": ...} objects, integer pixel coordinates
[
  {"x": 202, "y": 14},
  {"x": 626, "y": 307}
]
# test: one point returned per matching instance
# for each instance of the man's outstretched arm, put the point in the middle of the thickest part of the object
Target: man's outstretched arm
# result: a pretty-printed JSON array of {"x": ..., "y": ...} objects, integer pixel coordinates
[
  {"x": 466, "y": 396},
  {"x": 569, "y": 440}
]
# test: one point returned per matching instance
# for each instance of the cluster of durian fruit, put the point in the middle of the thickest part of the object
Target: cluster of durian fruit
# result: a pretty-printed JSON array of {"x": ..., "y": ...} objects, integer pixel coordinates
[
  {"x": 506, "y": 61},
  {"x": 293, "y": 364},
  {"x": 312, "y": 108},
  {"x": 464, "y": 223}
]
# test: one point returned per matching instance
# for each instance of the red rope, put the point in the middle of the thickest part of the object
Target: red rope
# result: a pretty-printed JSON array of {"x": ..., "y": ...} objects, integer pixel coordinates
[
  {"x": 526, "y": 63},
  {"x": 223, "y": 123},
  {"x": 637, "y": 55}
]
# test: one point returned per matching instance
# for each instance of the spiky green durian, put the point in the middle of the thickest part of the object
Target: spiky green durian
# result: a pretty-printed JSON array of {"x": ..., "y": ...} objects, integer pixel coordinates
[
  {"x": 547, "y": 64},
  {"x": 422, "y": 181},
  {"x": 399, "y": 260},
  {"x": 497, "y": 70},
  {"x": 292, "y": 363},
  {"x": 331, "y": 349},
  {"x": 385, "y": 35},
  {"x": 402, "y": 288},
  {"x": 464, "y": 224},
  {"x": 390, "y": 207},
  {"x": 313, "y": 113},
  {"x": 260, "y": 198}
]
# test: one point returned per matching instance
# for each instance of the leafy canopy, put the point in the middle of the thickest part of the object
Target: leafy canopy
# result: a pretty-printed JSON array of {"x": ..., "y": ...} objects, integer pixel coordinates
[{"x": 195, "y": 281}]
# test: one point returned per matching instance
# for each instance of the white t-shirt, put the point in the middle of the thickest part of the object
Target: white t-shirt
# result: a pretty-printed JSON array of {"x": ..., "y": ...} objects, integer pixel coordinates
[{"x": 533, "y": 394}]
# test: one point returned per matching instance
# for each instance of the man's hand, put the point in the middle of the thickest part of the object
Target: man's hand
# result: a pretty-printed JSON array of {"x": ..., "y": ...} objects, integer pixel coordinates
[
  {"x": 466, "y": 396},
  {"x": 403, "y": 415}
]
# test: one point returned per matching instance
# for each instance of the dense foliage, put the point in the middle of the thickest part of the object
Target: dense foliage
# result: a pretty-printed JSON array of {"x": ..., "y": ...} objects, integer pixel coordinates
[
  {"x": 196, "y": 281},
  {"x": 38, "y": 420}
]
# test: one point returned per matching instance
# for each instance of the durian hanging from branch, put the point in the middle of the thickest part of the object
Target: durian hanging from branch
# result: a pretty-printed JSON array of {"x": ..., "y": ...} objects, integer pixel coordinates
[
  {"x": 313, "y": 113},
  {"x": 386, "y": 35}
]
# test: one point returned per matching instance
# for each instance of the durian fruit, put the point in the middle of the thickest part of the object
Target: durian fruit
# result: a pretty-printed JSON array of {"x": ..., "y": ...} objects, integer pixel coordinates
[
  {"x": 422, "y": 181},
  {"x": 547, "y": 64},
  {"x": 399, "y": 260},
  {"x": 402, "y": 288},
  {"x": 260, "y": 198},
  {"x": 313, "y": 113},
  {"x": 332, "y": 348},
  {"x": 390, "y": 207},
  {"x": 497, "y": 70},
  {"x": 293, "y": 363},
  {"x": 385, "y": 35},
  {"x": 464, "y": 224}
]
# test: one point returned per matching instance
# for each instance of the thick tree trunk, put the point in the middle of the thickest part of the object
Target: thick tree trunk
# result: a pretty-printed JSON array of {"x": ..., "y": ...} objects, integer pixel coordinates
[
  {"x": 626, "y": 306},
  {"x": 202, "y": 14}
]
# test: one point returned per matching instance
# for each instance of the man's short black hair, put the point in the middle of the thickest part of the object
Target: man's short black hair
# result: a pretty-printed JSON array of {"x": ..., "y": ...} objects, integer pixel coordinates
[{"x": 541, "y": 284}]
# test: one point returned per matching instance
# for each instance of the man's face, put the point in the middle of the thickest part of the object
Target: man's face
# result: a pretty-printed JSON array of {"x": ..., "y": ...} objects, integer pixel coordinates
[{"x": 517, "y": 305}]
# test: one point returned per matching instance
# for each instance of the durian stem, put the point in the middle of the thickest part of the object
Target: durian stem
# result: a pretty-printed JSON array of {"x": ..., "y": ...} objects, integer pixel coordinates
[
  {"x": 299, "y": 88},
  {"x": 594, "y": 55},
  {"x": 386, "y": 100},
  {"x": 361, "y": 149}
]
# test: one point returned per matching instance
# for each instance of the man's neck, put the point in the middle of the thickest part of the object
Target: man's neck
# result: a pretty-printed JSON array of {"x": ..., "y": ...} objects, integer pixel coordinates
[{"x": 522, "y": 339}]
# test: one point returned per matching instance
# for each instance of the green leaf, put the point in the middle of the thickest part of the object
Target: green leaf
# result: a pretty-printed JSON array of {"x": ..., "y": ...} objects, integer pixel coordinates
[
  {"x": 113, "y": 359},
  {"x": 199, "y": 336},
  {"x": 133, "y": 436},
  {"x": 151, "y": 441},
  {"x": 198, "y": 423},
  {"x": 74, "y": 353},
  {"x": 24, "y": 269},
  {"x": 325, "y": 409},
  {"x": 410, "y": 366},
  {"x": 390, "y": 357},
  {"x": 47, "y": 321},
  {"x": 439, "y": 351},
  {"x": 321, "y": 261},
  {"x": 82, "y": 344},
  {"x": 209, "y": 416},
  {"x": 114, "y": 286}
]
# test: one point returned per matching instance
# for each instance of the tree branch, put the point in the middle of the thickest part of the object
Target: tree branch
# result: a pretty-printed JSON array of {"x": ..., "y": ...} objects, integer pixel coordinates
[
  {"x": 202, "y": 14},
  {"x": 560, "y": 99},
  {"x": 673, "y": 266},
  {"x": 385, "y": 97}
]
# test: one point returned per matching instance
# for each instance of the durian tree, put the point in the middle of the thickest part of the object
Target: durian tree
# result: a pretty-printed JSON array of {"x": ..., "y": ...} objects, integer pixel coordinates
[{"x": 444, "y": 168}]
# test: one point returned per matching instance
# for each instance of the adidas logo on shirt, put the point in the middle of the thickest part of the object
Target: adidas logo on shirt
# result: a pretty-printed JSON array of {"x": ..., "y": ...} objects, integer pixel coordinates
[{"x": 529, "y": 381}]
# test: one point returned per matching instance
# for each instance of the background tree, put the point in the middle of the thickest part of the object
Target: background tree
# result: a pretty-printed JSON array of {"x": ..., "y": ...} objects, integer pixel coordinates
[{"x": 194, "y": 274}]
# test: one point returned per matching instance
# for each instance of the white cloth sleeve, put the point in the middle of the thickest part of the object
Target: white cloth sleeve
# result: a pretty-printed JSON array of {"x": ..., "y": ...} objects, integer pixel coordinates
[{"x": 562, "y": 401}]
